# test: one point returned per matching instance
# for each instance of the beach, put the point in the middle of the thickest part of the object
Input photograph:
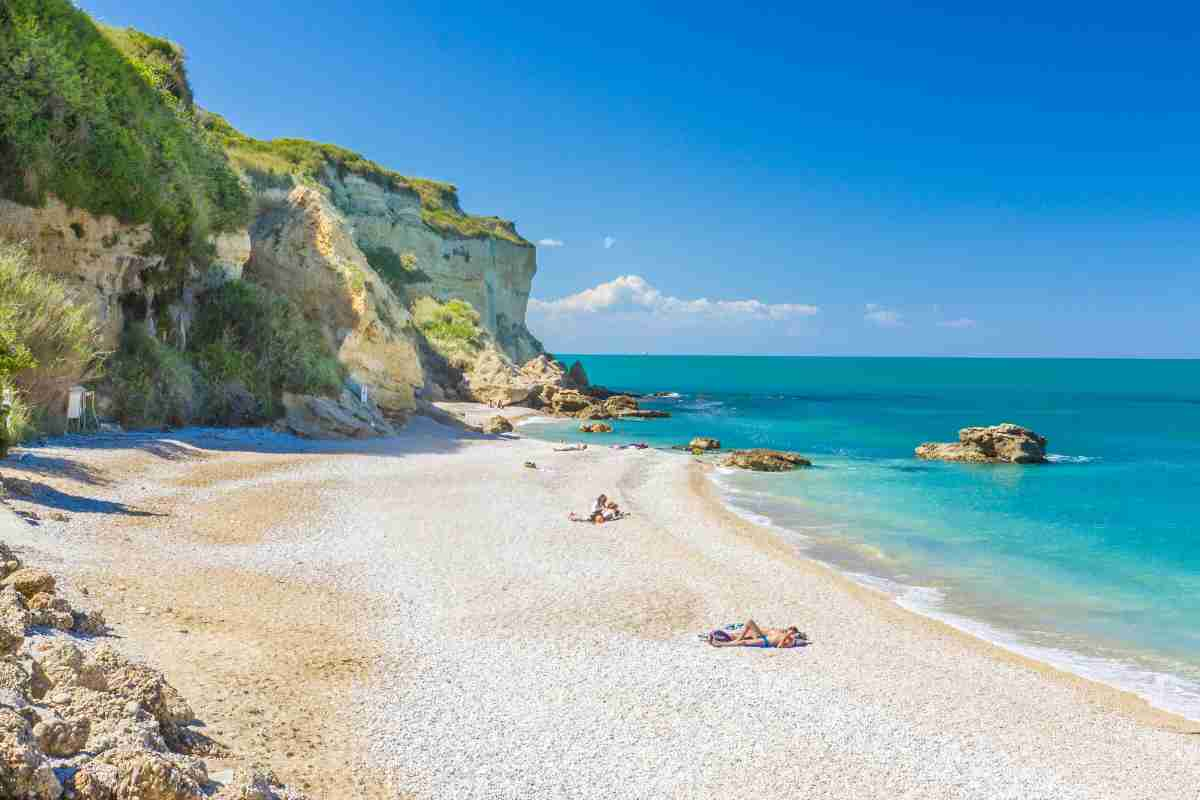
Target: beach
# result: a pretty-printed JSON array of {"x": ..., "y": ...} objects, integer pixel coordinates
[{"x": 415, "y": 616}]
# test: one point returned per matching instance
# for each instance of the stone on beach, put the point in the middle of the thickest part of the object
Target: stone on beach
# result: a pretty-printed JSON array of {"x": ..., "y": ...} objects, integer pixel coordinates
[
  {"x": 763, "y": 460},
  {"x": 29, "y": 581},
  {"x": 314, "y": 417},
  {"x": 1006, "y": 443},
  {"x": 497, "y": 424}
]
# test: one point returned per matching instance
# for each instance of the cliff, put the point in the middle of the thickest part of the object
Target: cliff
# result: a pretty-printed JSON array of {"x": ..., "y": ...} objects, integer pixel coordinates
[{"x": 355, "y": 247}]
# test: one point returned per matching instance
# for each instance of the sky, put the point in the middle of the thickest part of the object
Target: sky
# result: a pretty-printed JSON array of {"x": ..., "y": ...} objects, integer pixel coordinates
[{"x": 827, "y": 179}]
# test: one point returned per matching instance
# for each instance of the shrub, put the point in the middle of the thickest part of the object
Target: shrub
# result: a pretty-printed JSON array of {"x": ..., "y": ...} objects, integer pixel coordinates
[
  {"x": 103, "y": 119},
  {"x": 451, "y": 328},
  {"x": 153, "y": 384},
  {"x": 247, "y": 334},
  {"x": 47, "y": 340},
  {"x": 398, "y": 270}
]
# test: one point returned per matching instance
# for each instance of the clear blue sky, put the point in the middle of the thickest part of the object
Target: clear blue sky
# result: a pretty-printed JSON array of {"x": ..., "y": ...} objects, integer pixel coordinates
[{"x": 889, "y": 179}]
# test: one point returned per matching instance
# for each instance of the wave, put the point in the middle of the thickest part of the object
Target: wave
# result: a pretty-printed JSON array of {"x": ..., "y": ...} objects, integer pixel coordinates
[{"x": 1058, "y": 458}]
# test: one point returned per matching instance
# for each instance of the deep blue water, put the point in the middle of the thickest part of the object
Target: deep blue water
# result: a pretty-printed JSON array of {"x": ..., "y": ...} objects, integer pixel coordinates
[{"x": 1091, "y": 562}]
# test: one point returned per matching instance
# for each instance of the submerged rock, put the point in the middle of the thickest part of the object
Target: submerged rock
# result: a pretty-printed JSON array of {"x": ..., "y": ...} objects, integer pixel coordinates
[
  {"x": 764, "y": 460},
  {"x": 643, "y": 413},
  {"x": 596, "y": 427},
  {"x": 996, "y": 444}
]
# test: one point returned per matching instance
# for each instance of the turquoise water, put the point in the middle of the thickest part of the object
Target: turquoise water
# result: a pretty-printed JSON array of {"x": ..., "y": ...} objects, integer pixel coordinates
[{"x": 1091, "y": 562}]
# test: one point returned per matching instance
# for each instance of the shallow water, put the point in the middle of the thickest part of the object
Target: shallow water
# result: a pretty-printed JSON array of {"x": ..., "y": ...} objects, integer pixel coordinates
[{"x": 1091, "y": 562}]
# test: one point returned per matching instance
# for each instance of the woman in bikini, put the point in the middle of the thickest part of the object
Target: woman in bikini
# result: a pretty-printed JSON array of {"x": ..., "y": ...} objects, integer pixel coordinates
[{"x": 753, "y": 636}]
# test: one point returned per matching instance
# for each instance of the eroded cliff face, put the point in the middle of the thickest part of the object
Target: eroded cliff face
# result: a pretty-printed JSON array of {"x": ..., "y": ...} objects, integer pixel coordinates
[
  {"x": 98, "y": 256},
  {"x": 493, "y": 274},
  {"x": 300, "y": 246}
]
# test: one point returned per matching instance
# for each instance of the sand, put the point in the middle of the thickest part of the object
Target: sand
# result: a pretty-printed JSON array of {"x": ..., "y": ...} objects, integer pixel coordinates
[{"x": 416, "y": 617}]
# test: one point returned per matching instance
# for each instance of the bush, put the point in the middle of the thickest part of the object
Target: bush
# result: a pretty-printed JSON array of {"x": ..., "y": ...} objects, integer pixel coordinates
[
  {"x": 103, "y": 119},
  {"x": 249, "y": 335},
  {"x": 153, "y": 384},
  {"x": 47, "y": 341},
  {"x": 451, "y": 328}
]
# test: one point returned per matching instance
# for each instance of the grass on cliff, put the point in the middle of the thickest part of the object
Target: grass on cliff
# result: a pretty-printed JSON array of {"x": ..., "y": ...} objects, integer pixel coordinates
[
  {"x": 102, "y": 118},
  {"x": 47, "y": 340},
  {"x": 398, "y": 270},
  {"x": 451, "y": 328},
  {"x": 273, "y": 163}
]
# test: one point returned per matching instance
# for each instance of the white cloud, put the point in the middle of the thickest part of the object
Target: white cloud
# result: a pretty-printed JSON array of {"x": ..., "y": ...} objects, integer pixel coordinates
[
  {"x": 550, "y": 242},
  {"x": 609, "y": 242},
  {"x": 633, "y": 293},
  {"x": 883, "y": 317},
  {"x": 961, "y": 322}
]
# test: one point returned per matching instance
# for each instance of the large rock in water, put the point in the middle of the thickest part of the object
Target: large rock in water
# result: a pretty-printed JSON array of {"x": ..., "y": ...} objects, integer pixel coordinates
[
  {"x": 595, "y": 427},
  {"x": 704, "y": 443},
  {"x": 996, "y": 444},
  {"x": 763, "y": 460}
]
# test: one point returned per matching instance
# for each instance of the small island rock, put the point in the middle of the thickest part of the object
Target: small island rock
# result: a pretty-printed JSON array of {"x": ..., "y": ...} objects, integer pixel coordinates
[
  {"x": 764, "y": 460},
  {"x": 996, "y": 444},
  {"x": 704, "y": 443},
  {"x": 596, "y": 427}
]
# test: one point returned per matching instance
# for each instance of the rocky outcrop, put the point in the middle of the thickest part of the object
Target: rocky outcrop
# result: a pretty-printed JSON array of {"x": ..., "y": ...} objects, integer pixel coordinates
[
  {"x": 704, "y": 443},
  {"x": 595, "y": 427},
  {"x": 492, "y": 273},
  {"x": 577, "y": 376},
  {"x": 86, "y": 722},
  {"x": 620, "y": 404},
  {"x": 302, "y": 248},
  {"x": 764, "y": 460},
  {"x": 644, "y": 413},
  {"x": 314, "y": 417},
  {"x": 497, "y": 424},
  {"x": 997, "y": 444},
  {"x": 497, "y": 382}
]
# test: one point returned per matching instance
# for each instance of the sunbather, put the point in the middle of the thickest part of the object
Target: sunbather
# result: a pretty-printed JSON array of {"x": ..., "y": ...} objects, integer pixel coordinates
[
  {"x": 753, "y": 636},
  {"x": 603, "y": 510},
  {"x": 570, "y": 448}
]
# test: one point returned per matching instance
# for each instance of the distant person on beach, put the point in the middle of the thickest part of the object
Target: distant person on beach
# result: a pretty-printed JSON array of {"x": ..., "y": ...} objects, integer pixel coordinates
[
  {"x": 570, "y": 448},
  {"x": 753, "y": 636}
]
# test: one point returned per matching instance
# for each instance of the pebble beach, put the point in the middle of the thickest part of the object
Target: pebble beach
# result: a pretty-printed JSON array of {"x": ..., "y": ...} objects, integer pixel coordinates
[{"x": 419, "y": 616}]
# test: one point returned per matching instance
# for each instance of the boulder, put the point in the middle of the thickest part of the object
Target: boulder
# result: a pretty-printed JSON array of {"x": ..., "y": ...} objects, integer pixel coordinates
[
  {"x": 543, "y": 370},
  {"x": 141, "y": 775},
  {"x": 58, "y": 737},
  {"x": 595, "y": 427},
  {"x": 255, "y": 783},
  {"x": 9, "y": 563},
  {"x": 764, "y": 460},
  {"x": 29, "y": 581},
  {"x": 569, "y": 402},
  {"x": 314, "y": 417},
  {"x": 620, "y": 404},
  {"x": 494, "y": 380},
  {"x": 996, "y": 444},
  {"x": 644, "y": 413},
  {"x": 24, "y": 770},
  {"x": 577, "y": 376},
  {"x": 14, "y": 617},
  {"x": 704, "y": 443},
  {"x": 593, "y": 412},
  {"x": 497, "y": 424},
  {"x": 51, "y": 611}
]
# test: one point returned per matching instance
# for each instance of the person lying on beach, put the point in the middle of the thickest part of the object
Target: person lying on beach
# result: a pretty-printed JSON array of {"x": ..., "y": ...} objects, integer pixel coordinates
[
  {"x": 570, "y": 448},
  {"x": 634, "y": 445},
  {"x": 603, "y": 510},
  {"x": 753, "y": 636}
]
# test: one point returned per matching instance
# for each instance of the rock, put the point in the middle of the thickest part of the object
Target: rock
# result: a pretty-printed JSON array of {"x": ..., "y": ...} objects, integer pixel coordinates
[
  {"x": 543, "y": 370},
  {"x": 14, "y": 618},
  {"x": 497, "y": 424},
  {"x": 14, "y": 676},
  {"x": 620, "y": 404},
  {"x": 593, "y": 412},
  {"x": 530, "y": 465},
  {"x": 569, "y": 402},
  {"x": 576, "y": 376},
  {"x": 141, "y": 775},
  {"x": 89, "y": 623},
  {"x": 30, "y": 581},
  {"x": 314, "y": 417},
  {"x": 59, "y": 738},
  {"x": 644, "y": 413},
  {"x": 1004, "y": 443},
  {"x": 496, "y": 381},
  {"x": 596, "y": 427},
  {"x": 9, "y": 563},
  {"x": 764, "y": 460},
  {"x": 24, "y": 771},
  {"x": 255, "y": 783},
  {"x": 237, "y": 405},
  {"x": 51, "y": 611},
  {"x": 704, "y": 443}
]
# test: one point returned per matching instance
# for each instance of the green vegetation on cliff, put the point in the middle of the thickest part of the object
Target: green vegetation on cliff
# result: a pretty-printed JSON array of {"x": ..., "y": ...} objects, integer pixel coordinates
[
  {"x": 272, "y": 163},
  {"x": 451, "y": 328},
  {"x": 103, "y": 119},
  {"x": 47, "y": 341}
]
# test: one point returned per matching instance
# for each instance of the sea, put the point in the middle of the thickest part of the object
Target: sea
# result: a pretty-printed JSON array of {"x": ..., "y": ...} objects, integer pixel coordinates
[{"x": 1090, "y": 562}]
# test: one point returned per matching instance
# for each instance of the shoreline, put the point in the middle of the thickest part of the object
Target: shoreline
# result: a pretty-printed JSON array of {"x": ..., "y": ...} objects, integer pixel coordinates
[{"x": 1116, "y": 698}]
